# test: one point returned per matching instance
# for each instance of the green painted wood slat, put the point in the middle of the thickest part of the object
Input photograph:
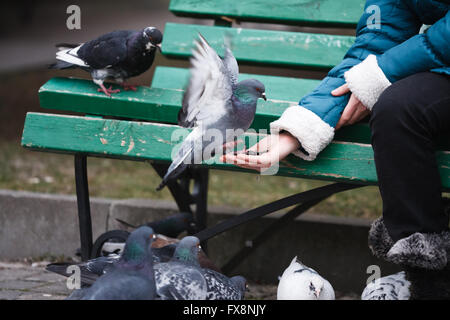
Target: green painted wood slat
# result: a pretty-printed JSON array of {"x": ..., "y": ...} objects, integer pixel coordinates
[
  {"x": 342, "y": 13},
  {"x": 151, "y": 104},
  {"x": 151, "y": 141},
  {"x": 162, "y": 105},
  {"x": 277, "y": 88},
  {"x": 267, "y": 47}
]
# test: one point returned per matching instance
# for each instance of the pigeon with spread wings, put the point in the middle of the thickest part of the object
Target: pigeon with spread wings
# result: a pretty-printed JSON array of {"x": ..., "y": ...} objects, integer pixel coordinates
[{"x": 215, "y": 105}]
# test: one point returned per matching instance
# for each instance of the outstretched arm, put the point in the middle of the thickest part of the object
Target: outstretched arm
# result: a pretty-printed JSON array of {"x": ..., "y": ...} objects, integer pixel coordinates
[{"x": 380, "y": 55}]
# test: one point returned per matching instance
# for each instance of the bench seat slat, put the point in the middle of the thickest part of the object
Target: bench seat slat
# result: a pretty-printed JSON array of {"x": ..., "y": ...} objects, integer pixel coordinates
[
  {"x": 290, "y": 49},
  {"x": 162, "y": 105},
  {"x": 277, "y": 88},
  {"x": 151, "y": 141},
  {"x": 343, "y": 13},
  {"x": 152, "y": 104}
]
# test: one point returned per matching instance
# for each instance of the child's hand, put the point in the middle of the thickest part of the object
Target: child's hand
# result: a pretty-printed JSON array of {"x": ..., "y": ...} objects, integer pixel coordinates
[
  {"x": 269, "y": 151},
  {"x": 354, "y": 111}
]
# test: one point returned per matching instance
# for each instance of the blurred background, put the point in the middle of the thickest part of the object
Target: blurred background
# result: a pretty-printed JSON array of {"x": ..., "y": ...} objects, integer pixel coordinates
[{"x": 28, "y": 32}]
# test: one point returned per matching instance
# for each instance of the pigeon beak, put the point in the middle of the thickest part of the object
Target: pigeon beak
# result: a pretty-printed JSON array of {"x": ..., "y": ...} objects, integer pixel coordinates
[
  {"x": 158, "y": 46},
  {"x": 263, "y": 95},
  {"x": 317, "y": 293}
]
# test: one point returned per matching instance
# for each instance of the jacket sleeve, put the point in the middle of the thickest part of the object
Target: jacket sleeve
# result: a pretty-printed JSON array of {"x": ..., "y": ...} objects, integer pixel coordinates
[
  {"x": 312, "y": 122},
  {"x": 419, "y": 53}
]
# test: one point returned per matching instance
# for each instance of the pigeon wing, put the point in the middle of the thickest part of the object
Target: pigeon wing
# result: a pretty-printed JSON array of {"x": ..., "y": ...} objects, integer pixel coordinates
[
  {"x": 219, "y": 286},
  {"x": 393, "y": 287},
  {"x": 210, "y": 87},
  {"x": 230, "y": 63},
  {"x": 105, "y": 51}
]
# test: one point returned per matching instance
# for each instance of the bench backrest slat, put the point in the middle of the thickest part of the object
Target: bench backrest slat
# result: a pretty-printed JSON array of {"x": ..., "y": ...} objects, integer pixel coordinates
[
  {"x": 268, "y": 47},
  {"x": 343, "y": 13}
]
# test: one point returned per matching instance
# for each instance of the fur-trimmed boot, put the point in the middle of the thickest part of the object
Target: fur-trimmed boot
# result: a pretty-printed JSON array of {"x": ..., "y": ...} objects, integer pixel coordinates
[{"x": 425, "y": 257}]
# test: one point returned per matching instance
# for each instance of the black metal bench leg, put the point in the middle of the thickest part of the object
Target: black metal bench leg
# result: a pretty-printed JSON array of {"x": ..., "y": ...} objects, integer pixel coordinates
[
  {"x": 200, "y": 194},
  {"x": 184, "y": 198},
  {"x": 178, "y": 190},
  {"x": 84, "y": 209}
]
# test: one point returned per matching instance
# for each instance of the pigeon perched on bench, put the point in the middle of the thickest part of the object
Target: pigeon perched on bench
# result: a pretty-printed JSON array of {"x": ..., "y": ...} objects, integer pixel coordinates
[
  {"x": 131, "y": 278},
  {"x": 300, "y": 282},
  {"x": 214, "y": 103},
  {"x": 117, "y": 55}
]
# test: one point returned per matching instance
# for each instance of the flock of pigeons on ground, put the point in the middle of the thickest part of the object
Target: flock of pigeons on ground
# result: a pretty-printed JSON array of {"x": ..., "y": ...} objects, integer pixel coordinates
[
  {"x": 154, "y": 267},
  {"x": 140, "y": 272},
  {"x": 213, "y": 99}
]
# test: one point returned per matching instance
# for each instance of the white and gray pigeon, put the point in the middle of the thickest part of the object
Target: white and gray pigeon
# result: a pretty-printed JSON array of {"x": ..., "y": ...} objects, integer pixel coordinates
[
  {"x": 131, "y": 278},
  {"x": 220, "y": 287},
  {"x": 181, "y": 278},
  {"x": 117, "y": 55},
  {"x": 300, "y": 282},
  {"x": 214, "y": 102},
  {"x": 184, "y": 279},
  {"x": 393, "y": 287}
]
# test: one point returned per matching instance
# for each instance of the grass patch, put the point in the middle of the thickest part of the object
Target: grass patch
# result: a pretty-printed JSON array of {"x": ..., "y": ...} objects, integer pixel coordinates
[{"x": 21, "y": 169}]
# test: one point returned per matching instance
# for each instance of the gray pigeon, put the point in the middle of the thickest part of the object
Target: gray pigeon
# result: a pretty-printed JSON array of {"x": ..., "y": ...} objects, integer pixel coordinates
[
  {"x": 181, "y": 277},
  {"x": 393, "y": 287},
  {"x": 220, "y": 287},
  {"x": 118, "y": 55},
  {"x": 92, "y": 269},
  {"x": 214, "y": 104},
  {"x": 131, "y": 278}
]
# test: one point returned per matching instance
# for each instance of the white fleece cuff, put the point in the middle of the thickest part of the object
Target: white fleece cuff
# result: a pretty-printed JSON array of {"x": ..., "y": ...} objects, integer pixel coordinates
[
  {"x": 367, "y": 81},
  {"x": 312, "y": 132}
]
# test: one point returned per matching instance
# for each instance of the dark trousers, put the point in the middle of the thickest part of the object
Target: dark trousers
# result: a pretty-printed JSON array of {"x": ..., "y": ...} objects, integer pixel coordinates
[{"x": 406, "y": 121}]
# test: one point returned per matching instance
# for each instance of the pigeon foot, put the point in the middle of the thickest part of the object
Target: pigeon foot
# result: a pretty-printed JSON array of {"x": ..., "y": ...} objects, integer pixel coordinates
[
  {"x": 108, "y": 91},
  {"x": 128, "y": 87}
]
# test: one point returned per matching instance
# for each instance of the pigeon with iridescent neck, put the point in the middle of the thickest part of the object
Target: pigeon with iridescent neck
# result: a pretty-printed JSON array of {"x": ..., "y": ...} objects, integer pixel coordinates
[
  {"x": 131, "y": 278},
  {"x": 181, "y": 277},
  {"x": 215, "y": 105}
]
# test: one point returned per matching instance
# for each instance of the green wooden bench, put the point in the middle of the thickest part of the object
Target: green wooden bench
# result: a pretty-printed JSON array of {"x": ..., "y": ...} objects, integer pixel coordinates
[{"x": 138, "y": 125}]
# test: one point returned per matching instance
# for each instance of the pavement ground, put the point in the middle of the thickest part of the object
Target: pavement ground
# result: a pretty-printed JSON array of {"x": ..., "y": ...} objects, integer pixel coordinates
[{"x": 30, "y": 281}]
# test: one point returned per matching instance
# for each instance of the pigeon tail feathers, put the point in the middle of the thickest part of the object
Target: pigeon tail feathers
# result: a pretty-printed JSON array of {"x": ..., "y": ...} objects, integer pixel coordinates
[{"x": 176, "y": 168}]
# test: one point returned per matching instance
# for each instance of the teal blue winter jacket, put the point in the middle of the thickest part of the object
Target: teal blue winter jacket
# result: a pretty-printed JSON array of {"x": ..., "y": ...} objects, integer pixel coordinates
[{"x": 385, "y": 51}]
